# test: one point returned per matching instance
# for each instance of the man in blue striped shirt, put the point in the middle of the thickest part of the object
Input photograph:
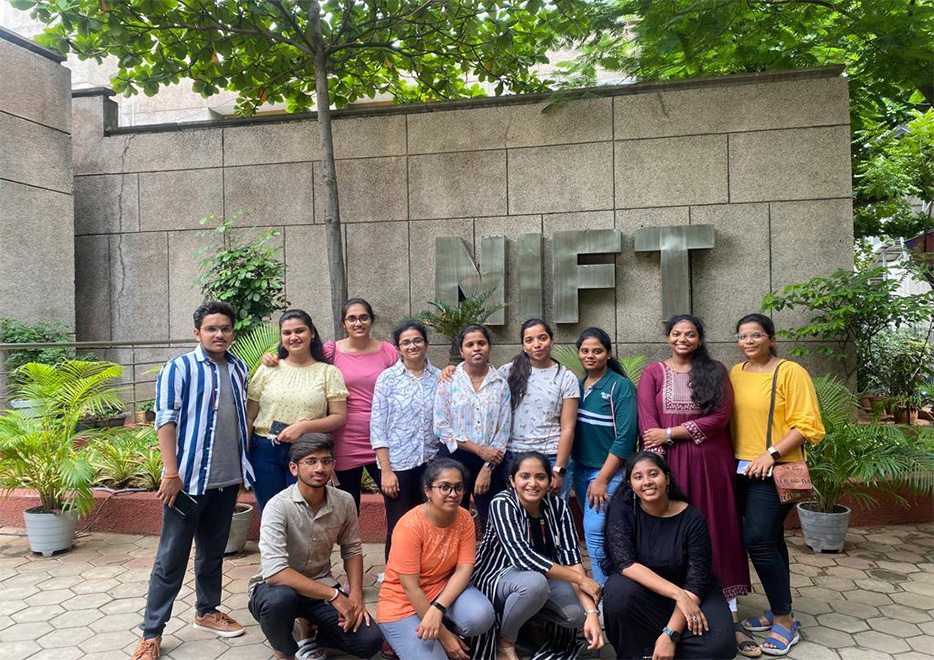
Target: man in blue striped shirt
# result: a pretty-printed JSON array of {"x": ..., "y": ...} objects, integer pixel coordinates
[{"x": 201, "y": 424}]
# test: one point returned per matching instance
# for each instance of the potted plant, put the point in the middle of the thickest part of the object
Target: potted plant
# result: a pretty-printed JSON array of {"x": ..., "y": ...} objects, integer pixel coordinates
[
  {"x": 38, "y": 447},
  {"x": 146, "y": 411},
  {"x": 897, "y": 367},
  {"x": 854, "y": 458},
  {"x": 449, "y": 320},
  {"x": 239, "y": 528}
]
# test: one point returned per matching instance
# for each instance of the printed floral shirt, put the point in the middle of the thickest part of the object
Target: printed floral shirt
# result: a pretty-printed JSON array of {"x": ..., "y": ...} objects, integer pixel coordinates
[
  {"x": 402, "y": 416},
  {"x": 482, "y": 416}
]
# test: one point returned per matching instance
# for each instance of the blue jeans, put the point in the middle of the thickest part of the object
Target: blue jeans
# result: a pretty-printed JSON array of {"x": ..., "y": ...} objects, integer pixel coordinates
[
  {"x": 271, "y": 466},
  {"x": 581, "y": 477}
]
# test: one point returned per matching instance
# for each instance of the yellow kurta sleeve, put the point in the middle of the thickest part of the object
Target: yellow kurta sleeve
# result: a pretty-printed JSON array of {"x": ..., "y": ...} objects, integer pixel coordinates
[
  {"x": 802, "y": 411},
  {"x": 334, "y": 387},
  {"x": 258, "y": 383}
]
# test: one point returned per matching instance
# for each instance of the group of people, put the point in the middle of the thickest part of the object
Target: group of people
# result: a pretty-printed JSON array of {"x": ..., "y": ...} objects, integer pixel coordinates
[{"x": 673, "y": 479}]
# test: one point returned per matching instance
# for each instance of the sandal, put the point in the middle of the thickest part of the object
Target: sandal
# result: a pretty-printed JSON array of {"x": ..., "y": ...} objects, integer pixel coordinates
[
  {"x": 747, "y": 648},
  {"x": 755, "y": 624},
  {"x": 791, "y": 638}
]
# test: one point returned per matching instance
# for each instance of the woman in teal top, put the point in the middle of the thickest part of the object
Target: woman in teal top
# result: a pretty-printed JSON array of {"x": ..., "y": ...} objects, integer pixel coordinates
[{"x": 607, "y": 427}]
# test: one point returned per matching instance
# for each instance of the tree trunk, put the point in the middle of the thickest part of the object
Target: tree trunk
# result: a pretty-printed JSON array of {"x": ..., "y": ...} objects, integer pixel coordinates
[{"x": 332, "y": 216}]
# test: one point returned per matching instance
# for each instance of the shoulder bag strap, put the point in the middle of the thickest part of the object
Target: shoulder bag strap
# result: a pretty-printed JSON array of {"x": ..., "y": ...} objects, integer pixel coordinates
[{"x": 768, "y": 433}]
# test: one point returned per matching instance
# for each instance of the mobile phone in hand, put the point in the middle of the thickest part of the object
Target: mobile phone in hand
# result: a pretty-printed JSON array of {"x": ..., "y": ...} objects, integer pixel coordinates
[
  {"x": 184, "y": 504},
  {"x": 276, "y": 428}
]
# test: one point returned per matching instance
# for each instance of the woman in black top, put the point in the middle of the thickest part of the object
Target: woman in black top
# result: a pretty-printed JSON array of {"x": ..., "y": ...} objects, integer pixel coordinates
[
  {"x": 529, "y": 566},
  {"x": 662, "y": 600}
]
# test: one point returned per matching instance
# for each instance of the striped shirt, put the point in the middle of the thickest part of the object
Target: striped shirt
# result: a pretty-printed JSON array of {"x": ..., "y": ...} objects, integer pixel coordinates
[
  {"x": 507, "y": 543},
  {"x": 186, "y": 395}
]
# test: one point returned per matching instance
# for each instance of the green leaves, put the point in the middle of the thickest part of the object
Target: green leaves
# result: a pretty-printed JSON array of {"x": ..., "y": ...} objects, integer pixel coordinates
[{"x": 247, "y": 274}]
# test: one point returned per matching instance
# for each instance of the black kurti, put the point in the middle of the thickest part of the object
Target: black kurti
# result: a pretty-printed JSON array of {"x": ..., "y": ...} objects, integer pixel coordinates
[{"x": 677, "y": 549}]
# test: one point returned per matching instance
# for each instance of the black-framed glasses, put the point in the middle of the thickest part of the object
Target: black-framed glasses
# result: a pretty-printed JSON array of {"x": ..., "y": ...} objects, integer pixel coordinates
[
  {"x": 447, "y": 489},
  {"x": 311, "y": 462},
  {"x": 363, "y": 318},
  {"x": 417, "y": 341}
]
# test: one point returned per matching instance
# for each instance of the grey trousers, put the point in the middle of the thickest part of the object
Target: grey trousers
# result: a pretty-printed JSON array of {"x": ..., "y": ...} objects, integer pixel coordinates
[
  {"x": 470, "y": 615},
  {"x": 208, "y": 525},
  {"x": 523, "y": 595}
]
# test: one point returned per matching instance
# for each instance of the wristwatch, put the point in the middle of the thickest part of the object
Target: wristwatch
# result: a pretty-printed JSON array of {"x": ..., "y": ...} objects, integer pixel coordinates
[
  {"x": 674, "y": 635},
  {"x": 438, "y": 606},
  {"x": 775, "y": 453},
  {"x": 560, "y": 471}
]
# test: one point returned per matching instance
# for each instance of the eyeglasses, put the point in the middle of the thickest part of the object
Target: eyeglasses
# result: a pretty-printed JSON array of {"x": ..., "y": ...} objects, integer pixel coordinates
[
  {"x": 417, "y": 341},
  {"x": 213, "y": 330},
  {"x": 311, "y": 462},
  {"x": 363, "y": 318},
  {"x": 755, "y": 336},
  {"x": 447, "y": 489}
]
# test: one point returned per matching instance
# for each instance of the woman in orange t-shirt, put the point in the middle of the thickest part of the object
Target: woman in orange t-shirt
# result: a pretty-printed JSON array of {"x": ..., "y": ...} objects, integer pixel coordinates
[{"x": 426, "y": 604}]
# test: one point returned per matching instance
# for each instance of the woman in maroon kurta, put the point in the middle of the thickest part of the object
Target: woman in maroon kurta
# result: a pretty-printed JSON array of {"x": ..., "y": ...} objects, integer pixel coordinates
[{"x": 684, "y": 412}]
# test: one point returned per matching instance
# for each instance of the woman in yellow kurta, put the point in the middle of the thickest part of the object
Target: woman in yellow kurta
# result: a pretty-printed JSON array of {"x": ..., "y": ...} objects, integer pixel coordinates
[
  {"x": 796, "y": 419},
  {"x": 304, "y": 394}
]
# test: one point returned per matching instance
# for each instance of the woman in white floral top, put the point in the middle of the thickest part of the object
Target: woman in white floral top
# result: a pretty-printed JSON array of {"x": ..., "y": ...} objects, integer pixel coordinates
[{"x": 472, "y": 417}]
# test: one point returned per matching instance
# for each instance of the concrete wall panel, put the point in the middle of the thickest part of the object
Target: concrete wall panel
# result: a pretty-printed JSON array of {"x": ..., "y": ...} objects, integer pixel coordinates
[
  {"x": 561, "y": 178},
  {"x": 35, "y": 88},
  {"x": 368, "y": 189},
  {"x": 179, "y": 199},
  {"x": 467, "y": 184},
  {"x": 545, "y": 123},
  {"x": 286, "y": 142},
  {"x": 106, "y": 204},
  {"x": 732, "y": 108},
  {"x": 808, "y": 163},
  {"x": 671, "y": 171},
  {"x": 368, "y": 138},
  {"x": 183, "y": 271},
  {"x": 93, "y": 311},
  {"x": 139, "y": 286},
  {"x": 458, "y": 130},
  {"x": 34, "y": 155},
  {"x": 280, "y": 194},
  {"x": 307, "y": 284},
  {"x": 379, "y": 274}
]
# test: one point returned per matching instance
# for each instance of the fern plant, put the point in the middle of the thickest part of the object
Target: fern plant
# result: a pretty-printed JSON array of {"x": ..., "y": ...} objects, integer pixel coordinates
[
  {"x": 854, "y": 457},
  {"x": 449, "y": 320},
  {"x": 567, "y": 356},
  {"x": 38, "y": 448}
]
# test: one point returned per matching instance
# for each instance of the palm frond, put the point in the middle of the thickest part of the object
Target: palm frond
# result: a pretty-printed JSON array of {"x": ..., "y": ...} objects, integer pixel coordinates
[
  {"x": 633, "y": 365},
  {"x": 567, "y": 357},
  {"x": 250, "y": 347}
]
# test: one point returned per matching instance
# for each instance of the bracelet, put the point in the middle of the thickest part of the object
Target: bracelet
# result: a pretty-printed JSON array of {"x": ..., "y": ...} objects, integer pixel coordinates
[
  {"x": 337, "y": 592},
  {"x": 668, "y": 439},
  {"x": 597, "y": 612},
  {"x": 439, "y": 607},
  {"x": 174, "y": 475}
]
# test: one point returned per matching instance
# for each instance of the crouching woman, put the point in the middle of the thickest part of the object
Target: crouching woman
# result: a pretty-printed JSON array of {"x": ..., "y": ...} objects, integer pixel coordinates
[
  {"x": 662, "y": 599},
  {"x": 426, "y": 604},
  {"x": 529, "y": 566}
]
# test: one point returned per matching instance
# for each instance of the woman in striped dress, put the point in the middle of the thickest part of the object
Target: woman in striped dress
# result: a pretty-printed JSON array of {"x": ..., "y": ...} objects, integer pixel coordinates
[{"x": 529, "y": 566}]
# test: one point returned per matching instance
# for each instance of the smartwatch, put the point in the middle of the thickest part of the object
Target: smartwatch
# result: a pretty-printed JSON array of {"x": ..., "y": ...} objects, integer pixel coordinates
[
  {"x": 674, "y": 635},
  {"x": 775, "y": 453},
  {"x": 438, "y": 606},
  {"x": 560, "y": 471}
]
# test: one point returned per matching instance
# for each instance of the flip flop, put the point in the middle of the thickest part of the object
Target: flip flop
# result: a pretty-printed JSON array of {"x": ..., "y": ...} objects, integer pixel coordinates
[
  {"x": 791, "y": 638},
  {"x": 754, "y": 624},
  {"x": 747, "y": 648}
]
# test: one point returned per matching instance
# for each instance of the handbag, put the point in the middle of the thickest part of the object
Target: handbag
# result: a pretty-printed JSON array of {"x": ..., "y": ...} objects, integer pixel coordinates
[{"x": 792, "y": 479}]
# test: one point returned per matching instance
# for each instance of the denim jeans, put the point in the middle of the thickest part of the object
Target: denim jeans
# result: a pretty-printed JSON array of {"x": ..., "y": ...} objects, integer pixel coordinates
[
  {"x": 271, "y": 466},
  {"x": 581, "y": 477},
  {"x": 764, "y": 535}
]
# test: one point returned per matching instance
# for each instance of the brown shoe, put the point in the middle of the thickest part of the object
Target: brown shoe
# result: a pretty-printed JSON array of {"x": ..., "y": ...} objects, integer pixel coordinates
[
  {"x": 218, "y": 623},
  {"x": 148, "y": 649}
]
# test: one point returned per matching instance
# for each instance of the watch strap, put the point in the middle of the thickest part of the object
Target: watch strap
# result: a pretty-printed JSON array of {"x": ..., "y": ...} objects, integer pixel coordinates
[{"x": 673, "y": 634}]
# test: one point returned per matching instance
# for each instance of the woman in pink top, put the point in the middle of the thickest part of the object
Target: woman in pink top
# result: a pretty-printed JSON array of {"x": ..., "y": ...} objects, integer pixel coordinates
[{"x": 361, "y": 359}]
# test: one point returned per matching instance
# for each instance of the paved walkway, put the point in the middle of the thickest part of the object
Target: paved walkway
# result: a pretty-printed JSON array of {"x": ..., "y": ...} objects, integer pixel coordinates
[{"x": 873, "y": 602}]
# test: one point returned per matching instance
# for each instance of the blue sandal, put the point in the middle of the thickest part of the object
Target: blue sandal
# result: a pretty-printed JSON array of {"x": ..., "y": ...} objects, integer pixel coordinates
[
  {"x": 791, "y": 638},
  {"x": 755, "y": 624}
]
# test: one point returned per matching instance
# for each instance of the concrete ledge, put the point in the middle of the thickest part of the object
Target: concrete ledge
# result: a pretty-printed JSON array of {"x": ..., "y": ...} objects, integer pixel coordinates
[
  {"x": 29, "y": 44},
  {"x": 141, "y": 513}
]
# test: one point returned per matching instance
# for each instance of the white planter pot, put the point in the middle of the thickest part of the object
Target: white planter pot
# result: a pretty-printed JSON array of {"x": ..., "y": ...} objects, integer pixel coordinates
[
  {"x": 50, "y": 532},
  {"x": 239, "y": 528},
  {"x": 824, "y": 531}
]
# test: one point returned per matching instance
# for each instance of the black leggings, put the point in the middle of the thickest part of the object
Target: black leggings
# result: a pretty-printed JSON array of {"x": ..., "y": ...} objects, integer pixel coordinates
[
  {"x": 350, "y": 480},
  {"x": 635, "y": 617},
  {"x": 410, "y": 495}
]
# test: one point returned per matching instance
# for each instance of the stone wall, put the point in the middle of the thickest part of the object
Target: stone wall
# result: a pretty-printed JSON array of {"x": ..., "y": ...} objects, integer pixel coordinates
[
  {"x": 763, "y": 158},
  {"x": 37, "y": 274}
]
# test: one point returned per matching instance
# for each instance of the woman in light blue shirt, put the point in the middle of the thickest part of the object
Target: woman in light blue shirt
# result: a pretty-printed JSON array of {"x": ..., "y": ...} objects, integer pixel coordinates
[
  {"x": 401, "y": 423},
  {"x": 473, "y": 417}
]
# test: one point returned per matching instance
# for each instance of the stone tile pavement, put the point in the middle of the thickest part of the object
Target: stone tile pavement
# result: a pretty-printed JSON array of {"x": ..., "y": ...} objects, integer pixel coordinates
[{"x": 875, "y": 601}]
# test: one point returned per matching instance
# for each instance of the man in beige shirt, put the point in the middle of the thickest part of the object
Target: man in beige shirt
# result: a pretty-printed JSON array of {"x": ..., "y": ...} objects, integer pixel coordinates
[{"x": 299, "y": 528}]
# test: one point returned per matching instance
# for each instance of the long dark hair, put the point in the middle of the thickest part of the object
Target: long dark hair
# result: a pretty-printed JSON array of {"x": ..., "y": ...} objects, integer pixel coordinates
[
  {"x": 705, "y": 379},
  {"x": 518, "y": 458},
  {"x": 626, "y": 497},
  {"x": 522, "y": 365},
  {"x": 601, "y": 336},
  {"x": 317, "y": 348},
  {"x": 766, "y": 324}
]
